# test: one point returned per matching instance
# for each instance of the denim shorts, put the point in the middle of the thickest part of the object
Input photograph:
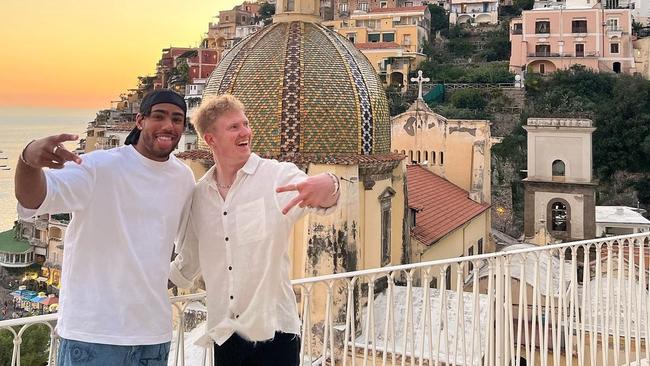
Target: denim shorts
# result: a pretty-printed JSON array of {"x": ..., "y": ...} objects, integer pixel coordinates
[{"x": 73, "y": 353}]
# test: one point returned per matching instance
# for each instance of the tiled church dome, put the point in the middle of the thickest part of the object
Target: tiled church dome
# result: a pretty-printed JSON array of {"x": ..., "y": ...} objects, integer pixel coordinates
[{"x": 307, "y": 90}]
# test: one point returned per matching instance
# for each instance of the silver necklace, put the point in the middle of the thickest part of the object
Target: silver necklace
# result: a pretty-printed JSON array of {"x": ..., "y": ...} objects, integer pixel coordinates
[{"x": 221, "y": 185}]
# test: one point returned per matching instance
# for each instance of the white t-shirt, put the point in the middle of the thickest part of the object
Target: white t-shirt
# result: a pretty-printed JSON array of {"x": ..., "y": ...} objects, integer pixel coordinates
[{"x": 126, "y": 212}]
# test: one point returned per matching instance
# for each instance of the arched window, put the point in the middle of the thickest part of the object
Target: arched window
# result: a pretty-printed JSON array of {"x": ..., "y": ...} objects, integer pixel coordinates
[
  {"x": 55, "y": 233},
  {"x": 442, "y": 158},
  {"x": 426, "y": 156},
  {"x": 410, "y": 156},
  {"x": 558, "y": 168},
  {"x": 419, "y": 156},
  {"x": 433, "y": 157},
  {"x": 558, "y": 216},
  {"x": 403, "y": 152}
]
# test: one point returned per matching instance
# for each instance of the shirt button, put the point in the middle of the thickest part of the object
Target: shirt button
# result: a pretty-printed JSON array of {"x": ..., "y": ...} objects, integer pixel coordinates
[
  {"x": 225, "y": 213},
  {"x": 226, "y": 238},
  {"x": 231, "y": 297},
  {"x": 236, "y": 316},
  {"x": 230, "y": 268}
]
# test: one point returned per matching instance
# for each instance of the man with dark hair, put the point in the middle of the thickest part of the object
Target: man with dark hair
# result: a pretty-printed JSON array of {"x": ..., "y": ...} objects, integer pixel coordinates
[{"x": 126, "y": 206}]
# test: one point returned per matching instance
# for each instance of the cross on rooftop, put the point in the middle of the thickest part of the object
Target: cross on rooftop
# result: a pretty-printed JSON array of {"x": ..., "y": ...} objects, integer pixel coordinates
[{"x": 420, "y": 80}]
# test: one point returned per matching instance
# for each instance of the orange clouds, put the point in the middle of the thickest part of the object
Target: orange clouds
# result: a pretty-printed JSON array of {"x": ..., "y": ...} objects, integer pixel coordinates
[{"x": 83, "y": 54}]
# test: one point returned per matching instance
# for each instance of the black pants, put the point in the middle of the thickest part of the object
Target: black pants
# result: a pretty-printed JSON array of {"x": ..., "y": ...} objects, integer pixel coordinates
[{"x": 282, "y": 350}]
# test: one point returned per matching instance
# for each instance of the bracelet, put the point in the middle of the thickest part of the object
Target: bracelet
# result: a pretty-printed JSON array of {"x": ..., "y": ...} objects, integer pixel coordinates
[
  {"x": 337, "y": 184},
  {"x": 22, "y": 155}
]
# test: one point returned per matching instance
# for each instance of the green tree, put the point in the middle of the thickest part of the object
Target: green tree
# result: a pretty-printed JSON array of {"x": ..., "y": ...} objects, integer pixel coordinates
[
  {"x": 619, "y": 106},
  {"x": 468, "y": 99},
  {"x": 523, "y": 4},
  {"x": 497, "y": 46},
  {"x": 636, "y": 27},
  {"x": 397, "y": 104},
  {"x": 33, "y": 350},
  {"x": 461, "y": 47},
  {"x": 439, "y": 19},
  {"x": 493, "y": 72},
  {"x": 457, "y": 32},
  {"x": 181, "y": 73},
  {"x": 266, "y": 12},
  {"x": 442, "y": 72}
]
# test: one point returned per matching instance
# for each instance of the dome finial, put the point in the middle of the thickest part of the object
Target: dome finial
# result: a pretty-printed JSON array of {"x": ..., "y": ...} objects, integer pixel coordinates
[{"x": 293, "y": 10}]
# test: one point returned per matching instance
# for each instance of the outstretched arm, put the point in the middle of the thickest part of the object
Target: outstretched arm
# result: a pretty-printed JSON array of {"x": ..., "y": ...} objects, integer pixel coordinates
[
  {"x": 318, "y": 191},
  {"x": 30, "y": 184}
]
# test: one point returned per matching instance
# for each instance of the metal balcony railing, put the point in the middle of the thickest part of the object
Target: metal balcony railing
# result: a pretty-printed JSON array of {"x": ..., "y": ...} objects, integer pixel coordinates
[
  {"x": 554, "y": 54},
  {"x": 580, "y": 303},
  {"x": 544, "y": 54}
]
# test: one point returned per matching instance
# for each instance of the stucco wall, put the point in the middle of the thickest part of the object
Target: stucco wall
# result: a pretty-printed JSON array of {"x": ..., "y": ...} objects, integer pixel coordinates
[
  {"x": 457, "y": 150},
  {"x": 456, "y": 244},
  {"x": 571, "y": 145}
]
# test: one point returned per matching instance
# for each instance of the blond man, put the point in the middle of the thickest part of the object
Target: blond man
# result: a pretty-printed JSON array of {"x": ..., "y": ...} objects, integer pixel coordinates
[{"x": 238, "y": 236}]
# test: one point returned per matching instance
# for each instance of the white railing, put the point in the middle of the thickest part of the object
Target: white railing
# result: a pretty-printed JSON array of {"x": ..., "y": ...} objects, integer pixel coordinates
[{"x": 580, "y": 303}]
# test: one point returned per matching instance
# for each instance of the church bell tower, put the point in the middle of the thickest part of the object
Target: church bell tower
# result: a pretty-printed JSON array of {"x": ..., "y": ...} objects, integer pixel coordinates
[{"x": 559, "y": 198}]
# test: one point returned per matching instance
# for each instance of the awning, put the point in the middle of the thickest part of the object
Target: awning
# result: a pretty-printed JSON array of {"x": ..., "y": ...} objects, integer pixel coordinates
[
  {"x": 36, "y": 299},
  {"x": 24, "y": 294},
  {"x": 50, "y": 300}
]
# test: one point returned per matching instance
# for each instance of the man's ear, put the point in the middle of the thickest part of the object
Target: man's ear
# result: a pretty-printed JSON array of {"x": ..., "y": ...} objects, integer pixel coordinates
[
  {"x": 209, "y": 138},
  {"x": 138, "y": 120}
]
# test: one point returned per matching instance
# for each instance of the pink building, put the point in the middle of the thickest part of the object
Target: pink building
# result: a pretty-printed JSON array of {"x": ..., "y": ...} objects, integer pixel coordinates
[{"x": 546, "y": 39}]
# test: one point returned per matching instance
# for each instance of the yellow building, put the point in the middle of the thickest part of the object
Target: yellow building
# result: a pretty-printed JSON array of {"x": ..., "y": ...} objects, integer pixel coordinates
[
  {"x": 448, "y": 184},
  {"x": 457, "y": 150},
  {"x": 51, "y": 268},
  {"x": 392, "y": 39},
  {"x": 445, "y": 222},
  {"x": 103, "y": 137}
]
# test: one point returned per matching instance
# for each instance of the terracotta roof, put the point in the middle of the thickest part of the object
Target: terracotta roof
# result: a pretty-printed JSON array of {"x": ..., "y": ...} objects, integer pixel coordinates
[
  {"x": 442, "y": 206},
  {"x": 196, "y": 155},
  {"x": 304, "y": 159},
  {"x": 401, "y": 9},
  {"x": 377, "y": 45}
]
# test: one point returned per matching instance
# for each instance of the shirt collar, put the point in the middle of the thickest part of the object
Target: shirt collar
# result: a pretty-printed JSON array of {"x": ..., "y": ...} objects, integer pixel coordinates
[
  {"x": 249, "y": 168},
  {"x": 251, "y": 165}
]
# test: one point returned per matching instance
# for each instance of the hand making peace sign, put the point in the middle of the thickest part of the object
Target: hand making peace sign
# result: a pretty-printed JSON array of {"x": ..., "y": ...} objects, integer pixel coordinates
[
  {"x": 316, "y": 191},
  {"x": 49, "y": 152}
]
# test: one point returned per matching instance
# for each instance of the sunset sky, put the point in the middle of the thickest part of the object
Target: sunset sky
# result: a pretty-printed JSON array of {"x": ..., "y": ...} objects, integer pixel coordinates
[{"x": 81, "y": 54}]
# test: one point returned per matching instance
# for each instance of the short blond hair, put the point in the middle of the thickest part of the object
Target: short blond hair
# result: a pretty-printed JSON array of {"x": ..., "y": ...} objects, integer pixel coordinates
[{"x": 212, "y": 108}]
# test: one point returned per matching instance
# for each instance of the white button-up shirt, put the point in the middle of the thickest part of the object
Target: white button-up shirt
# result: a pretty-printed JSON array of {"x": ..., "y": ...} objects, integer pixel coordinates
[{"x": 240, "y": 246}]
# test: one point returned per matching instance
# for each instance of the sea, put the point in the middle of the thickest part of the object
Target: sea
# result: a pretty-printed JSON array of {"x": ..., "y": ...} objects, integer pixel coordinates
[{"x": 18, "y": 126}]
